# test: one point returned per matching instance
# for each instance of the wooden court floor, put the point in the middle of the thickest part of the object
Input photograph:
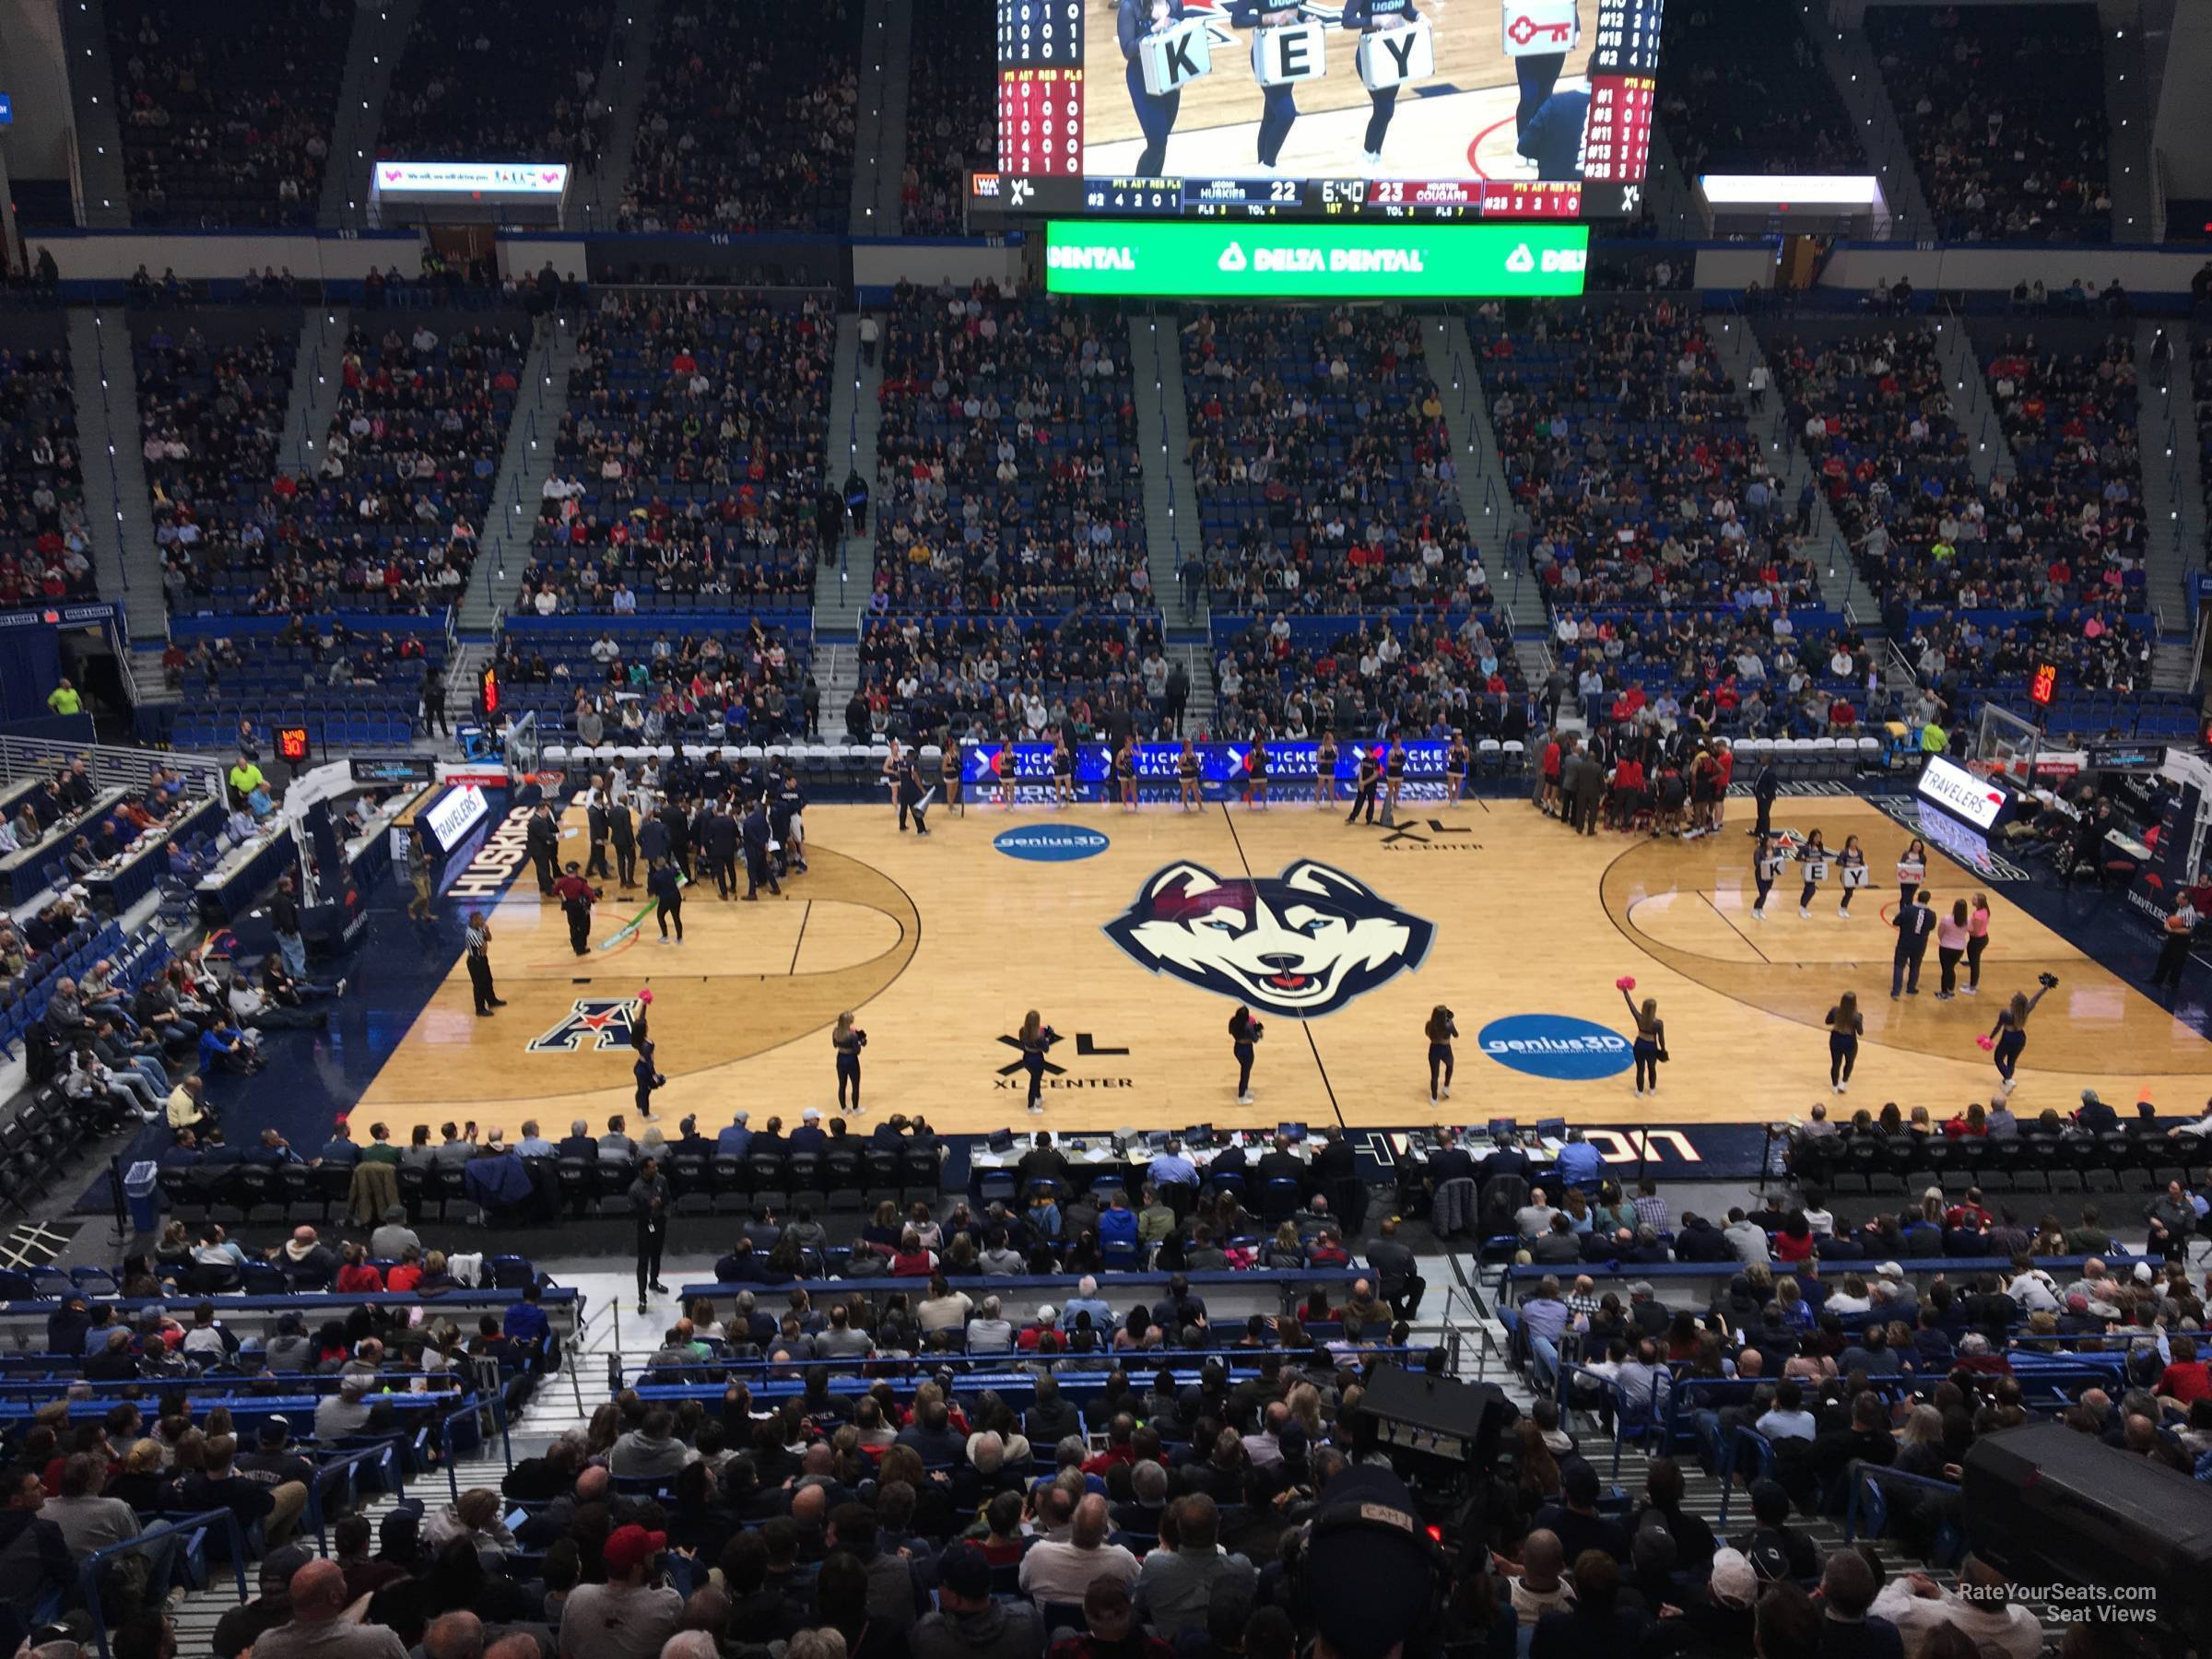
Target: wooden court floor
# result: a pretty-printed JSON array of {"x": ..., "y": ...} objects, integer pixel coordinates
[
  {"x": 1437, "y": 123},
  {"x": 940, "y": 945}
]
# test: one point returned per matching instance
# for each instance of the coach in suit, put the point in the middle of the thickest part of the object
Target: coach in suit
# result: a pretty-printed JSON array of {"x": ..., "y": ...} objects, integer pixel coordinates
[
  {"x": 594, "y": 818},
  {"x": 721, "y": 843},
  {"x": 757, "y": 873},
  {"x": 624, "y": 835},
  {"x": 541, "y": 839}
]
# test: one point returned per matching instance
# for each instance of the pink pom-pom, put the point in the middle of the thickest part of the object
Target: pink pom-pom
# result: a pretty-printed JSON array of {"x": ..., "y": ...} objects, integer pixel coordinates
[
  {"x": 1624, "y": 983},
  {"x": 1984, "y": 1043},
  {"x": 645, "y": 997}
]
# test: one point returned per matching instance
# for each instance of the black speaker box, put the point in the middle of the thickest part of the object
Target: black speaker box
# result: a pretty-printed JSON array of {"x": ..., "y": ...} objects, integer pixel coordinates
[
  {"x": 1442, "y": 1416},
  {"x": 2047, "y": 1505}
]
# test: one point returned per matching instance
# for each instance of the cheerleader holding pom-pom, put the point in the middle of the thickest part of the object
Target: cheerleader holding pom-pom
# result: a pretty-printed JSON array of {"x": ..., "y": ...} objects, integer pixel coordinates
[{"x": 2009, "y": 1035}]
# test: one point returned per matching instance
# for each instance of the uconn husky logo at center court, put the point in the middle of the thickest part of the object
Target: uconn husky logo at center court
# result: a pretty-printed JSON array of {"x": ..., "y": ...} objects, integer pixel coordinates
[
  {"x": 1301, "y": 944},
  {"x": 592, "y": 1023}
]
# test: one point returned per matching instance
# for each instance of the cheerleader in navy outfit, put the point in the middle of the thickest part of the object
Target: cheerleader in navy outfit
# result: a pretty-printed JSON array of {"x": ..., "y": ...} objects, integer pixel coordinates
[
  {"x": 1324, "y": 770},
  {"x": 2009, "y": 1035},
  {"x": 1244, "y": 1031},
  {"x": 1846, "y": 1025},
  {"x": 1441, "y": 1031},
  {"x": 1766, "y": 869},
  {"x": 1813, "y": 855},
  {"x": 1034, "y": 1039},
  {"x": 1134, "y": 19},
  {"x": 1851, "y": 868},
  {"x": 1188, "y": 773},
  {"x": 1394, "y": 773},
  {"x": 848, "y": 1039},
  {"x": 1372, "y": 17},
  {"x": 1063, "y": 772},
  {"x": 1255, "y": 775},
  {"x": 1459, "y": 767},
  {"x": 1125, "y": 772},
  {"x": 1278, "y": 108},
  {"x": 1912, "y": 872},
  {"x": 1651, "y": 1040}
]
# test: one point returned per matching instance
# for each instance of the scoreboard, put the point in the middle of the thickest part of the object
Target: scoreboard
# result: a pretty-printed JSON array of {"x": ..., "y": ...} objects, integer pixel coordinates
[{"x": 1082, "y": 132}]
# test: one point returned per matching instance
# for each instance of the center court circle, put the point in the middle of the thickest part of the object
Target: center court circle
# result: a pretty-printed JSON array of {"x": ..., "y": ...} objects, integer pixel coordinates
[
  {"x": 1050, "y": 843},
  {"x": 1556, "y": 1046}
]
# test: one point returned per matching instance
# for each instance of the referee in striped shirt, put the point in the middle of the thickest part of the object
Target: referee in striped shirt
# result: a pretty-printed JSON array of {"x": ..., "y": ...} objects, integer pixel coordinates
[{"x": 479, "y": 966}]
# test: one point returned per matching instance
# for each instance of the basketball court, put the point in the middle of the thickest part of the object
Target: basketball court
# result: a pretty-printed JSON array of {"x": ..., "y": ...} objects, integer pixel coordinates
[{"x": 1135, "y": 934}]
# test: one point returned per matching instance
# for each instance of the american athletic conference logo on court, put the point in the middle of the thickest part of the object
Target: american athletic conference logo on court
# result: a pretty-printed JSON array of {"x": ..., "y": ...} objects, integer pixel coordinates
[
  {"x": 592, "y": 1023},
  {"x": 1300, "y": 944}
]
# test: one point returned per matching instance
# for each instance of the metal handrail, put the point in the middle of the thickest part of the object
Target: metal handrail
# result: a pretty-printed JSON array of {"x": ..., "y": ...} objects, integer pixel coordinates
[
  {"x": 395, "y": 1477},
  {"x": 88, "y": 1570}
]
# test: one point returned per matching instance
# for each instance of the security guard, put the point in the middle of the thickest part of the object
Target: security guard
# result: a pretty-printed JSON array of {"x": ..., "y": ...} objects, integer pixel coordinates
[
  {"x": 576, "y": 895},
  {"x": 719, "y": 840}
]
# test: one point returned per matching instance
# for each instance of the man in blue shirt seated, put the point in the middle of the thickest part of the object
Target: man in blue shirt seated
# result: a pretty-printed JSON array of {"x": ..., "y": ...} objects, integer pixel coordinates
[
  {"x": 1171, "y": 1167},
  {"x": 526, "y": 1324},
  {"x": 183, "y": 1153},
  {"x": 1117, "y": 1226},
  {"x": 737, "y": 1140},
  {"x": 1580, "y": 1164},
  {"x": 339, "y": 1150}
]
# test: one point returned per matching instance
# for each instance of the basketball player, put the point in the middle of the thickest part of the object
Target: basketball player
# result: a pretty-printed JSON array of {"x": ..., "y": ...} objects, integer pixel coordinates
[
  {"x": 1188, "y": 773},
  {"x": 667, "y": 889},
  {"x": 1650, "y": 1042},
  {"x": 787, "y": 820},
  {"x": 1134, "y": 19},
  {"x": 1255, "y": 776},
  {"x": 1373, "y": 16},
  {"x": 1765, "y": 868},
  {"x": 1033, "y": 1039},
  {"x": 1325, "y": 772},
  {"x": 2011, "y": 1030},
  {"x": 1440, "y": 1030},
  {"x": 1394, "y": 774},
  {"x": 1846, "y": 1025},
  {"x": 1813, "y": 857},
  {"x": 848, "y": 1039},
  {"x": 576, "y": 895},
  {"x": 1278, "y": 107},
  {"x": 1370, "y": 778},
  {"x": 1244, "y": 1032},
  {"x": 1851, "y": 868}
]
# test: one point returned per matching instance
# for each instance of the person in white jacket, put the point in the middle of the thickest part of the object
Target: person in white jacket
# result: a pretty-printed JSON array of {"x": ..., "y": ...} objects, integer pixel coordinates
[{"x": 1916, "y": 1603}]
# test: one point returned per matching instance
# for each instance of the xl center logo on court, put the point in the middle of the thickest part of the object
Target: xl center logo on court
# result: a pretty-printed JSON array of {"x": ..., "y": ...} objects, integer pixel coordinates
[
  {"x": 594, "y": 1022},
  {"x": 1301, "y": 944}
]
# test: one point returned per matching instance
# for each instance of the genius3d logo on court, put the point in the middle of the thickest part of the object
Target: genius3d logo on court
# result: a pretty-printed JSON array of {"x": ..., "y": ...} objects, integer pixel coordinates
[{"x": 1301, "y": 944}]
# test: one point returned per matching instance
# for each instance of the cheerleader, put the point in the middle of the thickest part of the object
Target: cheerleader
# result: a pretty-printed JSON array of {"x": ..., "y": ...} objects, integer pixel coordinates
[
  {"x": 1034, "y": 1039},
  {"x": 948, "y": 777},
  {"x": 1977, "y": 941},
  {"x": 1851, "y": 865},
  {"x": 1650, "y": 1042},
  {"x": 1372, "y": 17},
  {"x": 1912, "y": 872},
  {"x": 1441, "y": 1030},
  {"x": 1063, "y": 772},
  {"x": 1134, "y": 19},
  {"x": 894, "y": 773},
  {"x": 1766, "y": 869},
  {"x": 848, "y": 1039},
  {"x": 1813, "y": 855},
  {"x": 1244, "y": 1032},
  {"x": 1459, "y": 767},
  {"x": 1324, "y": 770},
  {"x": 1255, "y": 776},
  {"x": 1846, "y": 1025},
  {"x": 1394, "y": 773},
  {"x": 1187, "y": 775},
  {"x": 1278, "y": 108},
  {"x": 2010, "y": 1032},
  {"x": 1125, "y": 772}
]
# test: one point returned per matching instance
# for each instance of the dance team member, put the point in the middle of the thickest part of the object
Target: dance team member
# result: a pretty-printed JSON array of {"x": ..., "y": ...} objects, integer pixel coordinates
[
  {"x": 1441, "y": 1030},
  {"x": 1846, "y": 1025},
  {"x": 847, "y": 1040},
  {"x": 2008, "y": 1038},
  {"x": 1651, "y": 1038},
  {"x": 1245, "y": 1033}
]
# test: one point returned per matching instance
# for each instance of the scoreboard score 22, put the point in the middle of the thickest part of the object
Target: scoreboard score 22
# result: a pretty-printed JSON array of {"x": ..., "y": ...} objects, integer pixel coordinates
[{"x": 1374, "y": 109}]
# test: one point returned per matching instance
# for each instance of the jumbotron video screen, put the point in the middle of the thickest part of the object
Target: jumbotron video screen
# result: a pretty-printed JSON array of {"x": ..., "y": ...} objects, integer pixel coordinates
[{"x": 1369, "y": 110}]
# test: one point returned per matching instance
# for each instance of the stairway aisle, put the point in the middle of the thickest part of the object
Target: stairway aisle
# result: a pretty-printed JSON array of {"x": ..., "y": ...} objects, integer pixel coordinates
[
  {"x": 504, "y": 541},
  {"x": 103, "y": 189},
  {"x": 1972, "y": 405},
  {"x": 372, "y": 53},
  {"x": 1480, "y": 472},
  {"x": 317, "y": 386},
  {"x": 887, "y": 42},
  {"x": 117, "y": 510},
  {"x": 2173, "y": 484},
  {"x": 1163, "y": 441},
  {"x": 842, "y": 585},
  {"x": 1857, "y": 73},
  {"x": 624, "y": 75}
]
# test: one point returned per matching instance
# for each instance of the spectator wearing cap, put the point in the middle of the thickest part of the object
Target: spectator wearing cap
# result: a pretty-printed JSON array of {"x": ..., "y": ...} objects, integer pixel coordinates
[
  {"x": 276, "y": 1464},
  {"x": 1718, "y": 1618},
  {"x": 968, "y": 1624},
  {"x": 1176, "y": 1583},
  {"x": 809, "y": 1136},
  {"x": 632, "y": 1615},
  {"x": 1047, "y": 1319},
  {"x": 1773, "y": 1538},
  {"x": 242, "y": 1627},
  {"x": 343, "y": 1413},
  {"x": 1370, "y": 1571}
]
